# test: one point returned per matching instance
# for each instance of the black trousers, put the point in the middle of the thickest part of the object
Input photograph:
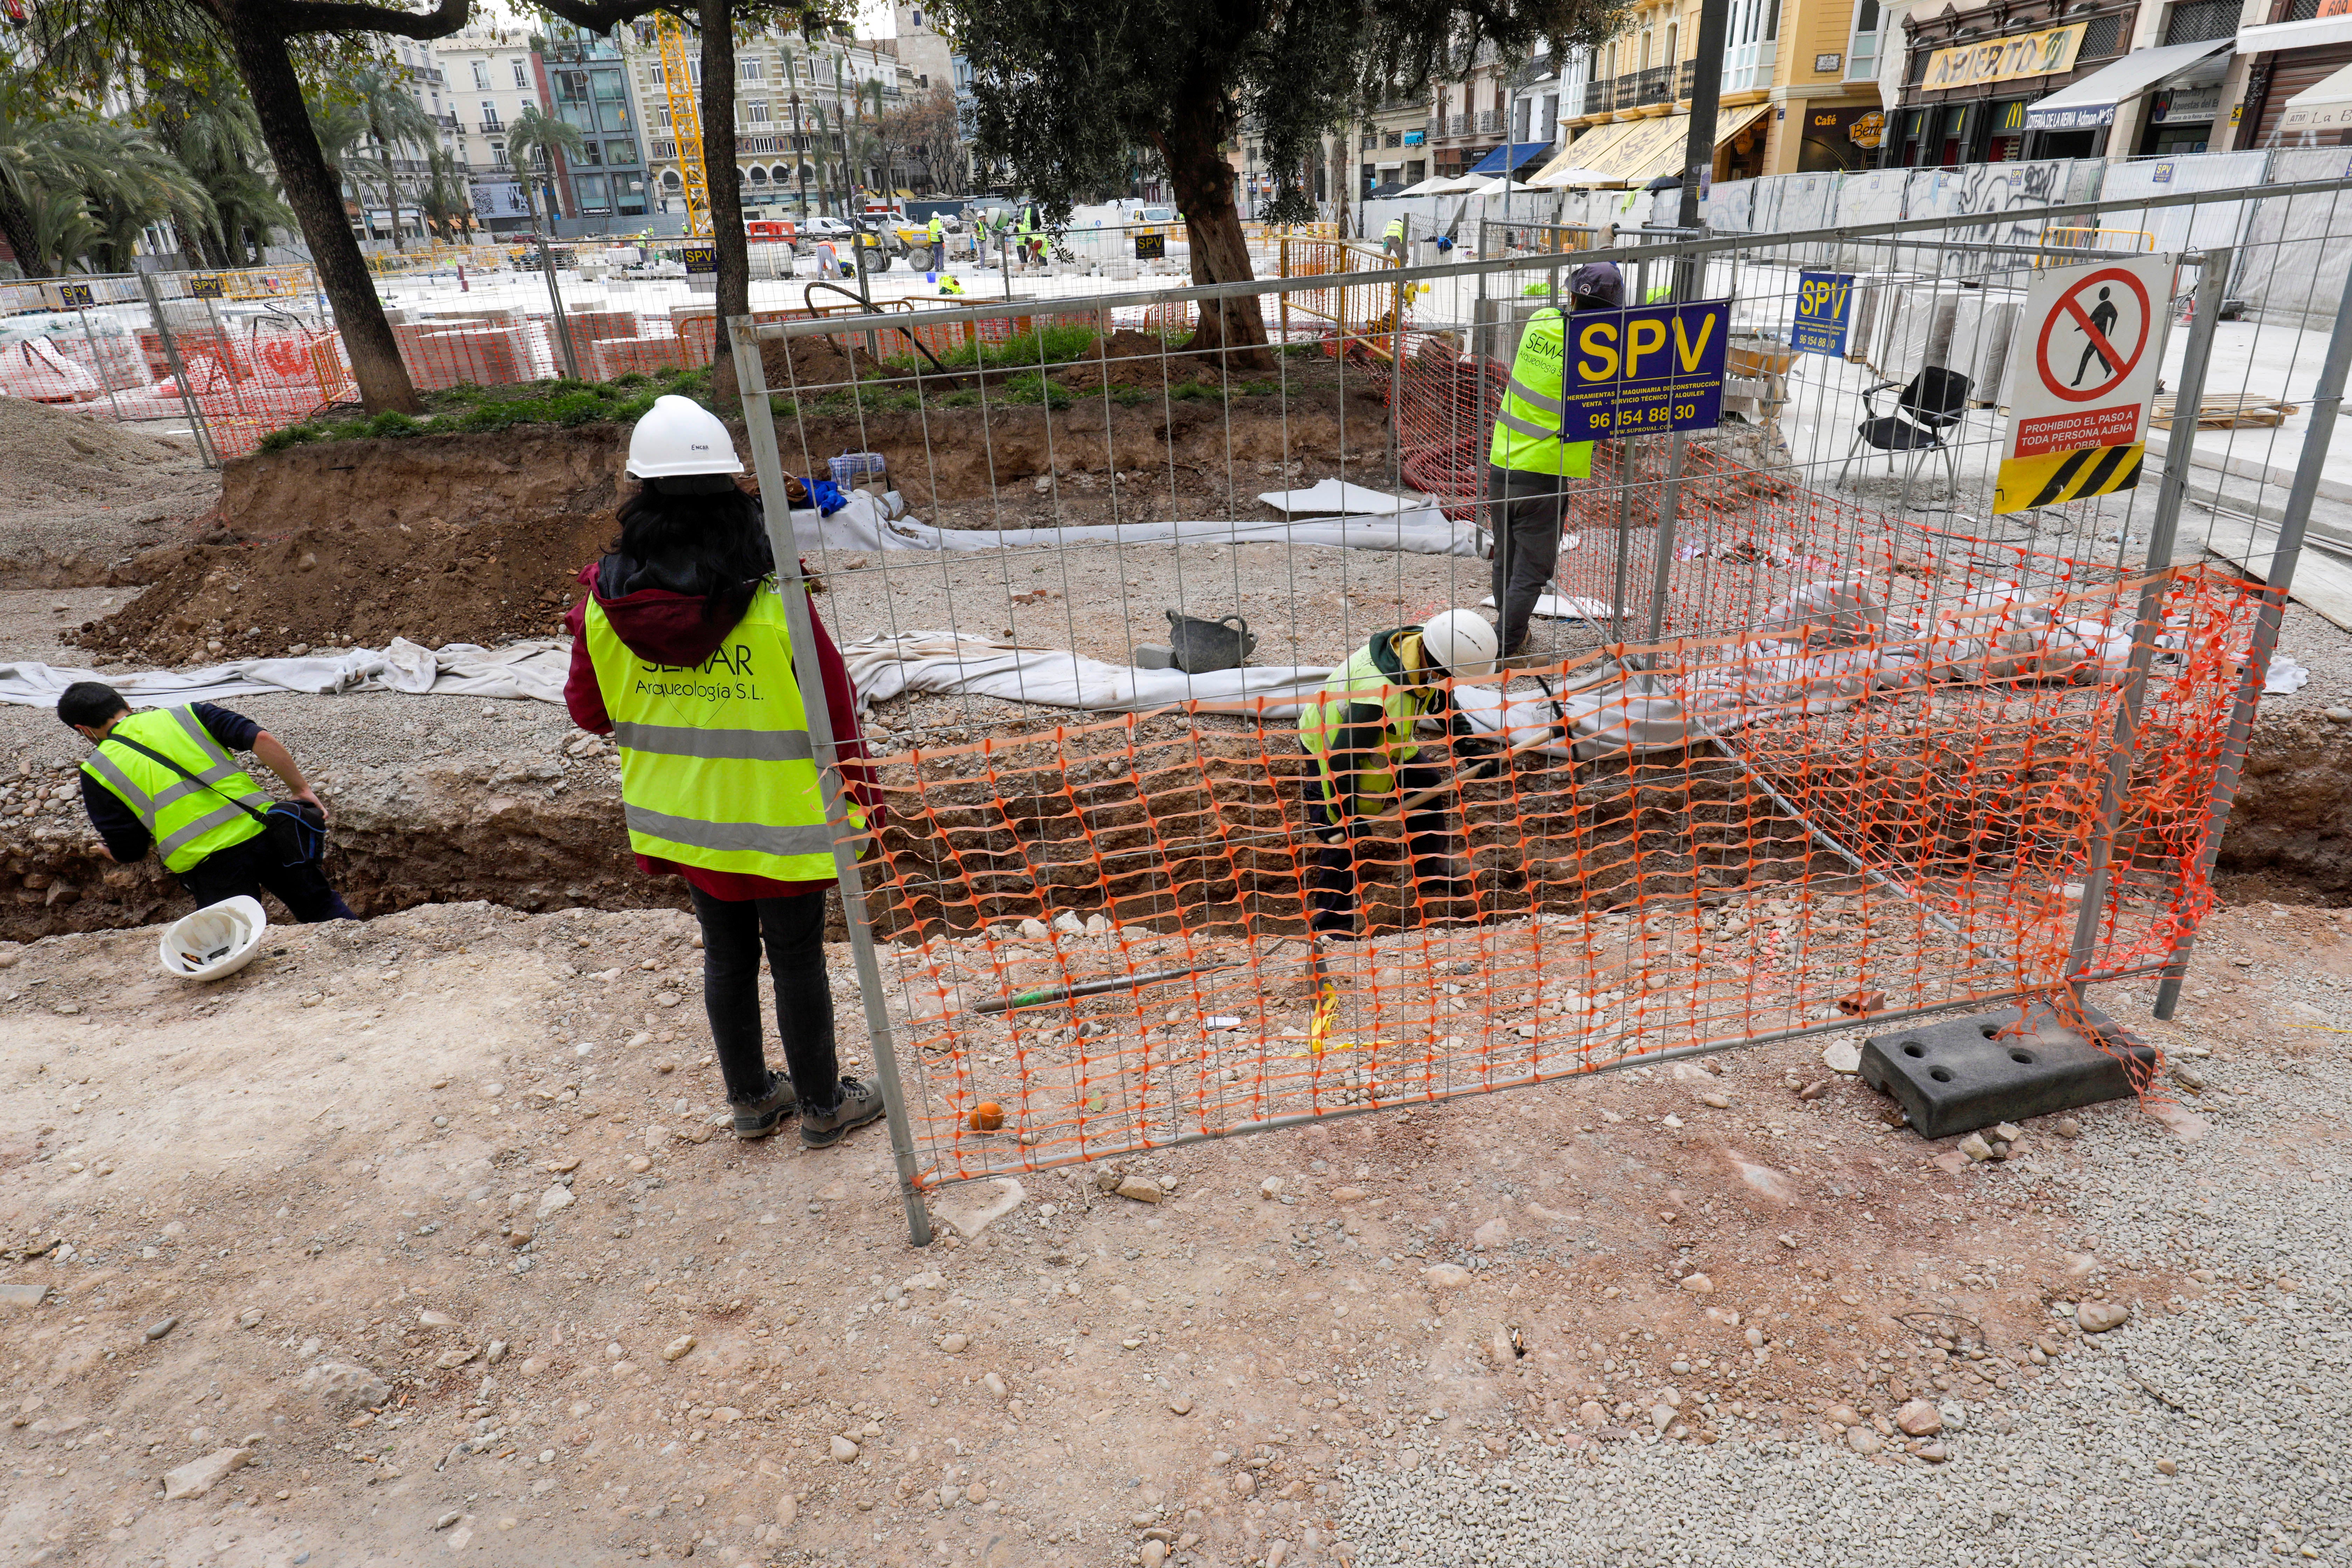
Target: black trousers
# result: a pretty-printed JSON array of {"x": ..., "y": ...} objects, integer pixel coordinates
[
  {"x": 1524, "y": 511},
  {"x": 1331, "y": 884},
  {"x": 243, "y": 871},
  {"x": 793, "y": 931}
]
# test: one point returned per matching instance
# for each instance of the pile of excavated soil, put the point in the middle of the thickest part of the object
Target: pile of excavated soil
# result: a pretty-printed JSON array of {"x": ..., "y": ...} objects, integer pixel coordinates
[
  {"x": 477, "y": 538},
  {"x": 83, "y": 495}
]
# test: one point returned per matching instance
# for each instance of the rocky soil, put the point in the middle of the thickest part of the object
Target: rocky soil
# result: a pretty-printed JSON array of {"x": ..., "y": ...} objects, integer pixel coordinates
[{"x": 416, "y": 1240}]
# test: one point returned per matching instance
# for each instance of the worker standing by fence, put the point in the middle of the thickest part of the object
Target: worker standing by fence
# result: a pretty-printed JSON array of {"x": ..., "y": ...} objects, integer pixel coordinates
[
  {"x": 1393, "y": 240},
  {"x": 1358, "y": 728},
  {"x": 1529, "y": 462},
  {"x": 681, "y": 653}
]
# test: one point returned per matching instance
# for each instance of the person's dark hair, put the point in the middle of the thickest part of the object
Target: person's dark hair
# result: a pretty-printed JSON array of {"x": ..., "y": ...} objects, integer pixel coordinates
[
  {"x": 717, "y": 542},
  {"x": 91, "y": 702}
]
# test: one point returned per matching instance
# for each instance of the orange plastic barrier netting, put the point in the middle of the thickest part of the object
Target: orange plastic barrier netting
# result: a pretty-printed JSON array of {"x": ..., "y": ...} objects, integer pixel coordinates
[{"x": 1096, "y": 933}]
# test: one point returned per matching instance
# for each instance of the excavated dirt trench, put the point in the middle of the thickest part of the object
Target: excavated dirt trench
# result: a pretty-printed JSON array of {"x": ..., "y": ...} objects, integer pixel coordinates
[{"x": 546, "y": 834}]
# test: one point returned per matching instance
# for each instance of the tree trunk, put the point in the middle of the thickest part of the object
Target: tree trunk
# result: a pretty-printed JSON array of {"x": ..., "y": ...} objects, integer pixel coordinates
[
  {"x": 1233, "y": 329},
  {"x": 269, "y": 79},
  {"x": 16, "y": 224},
  {"x": 726, "y": 180}
]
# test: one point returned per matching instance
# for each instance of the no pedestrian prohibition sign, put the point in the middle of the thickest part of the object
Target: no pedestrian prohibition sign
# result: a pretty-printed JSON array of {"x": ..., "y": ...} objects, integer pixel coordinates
[{"x": 2093, "y": 342}]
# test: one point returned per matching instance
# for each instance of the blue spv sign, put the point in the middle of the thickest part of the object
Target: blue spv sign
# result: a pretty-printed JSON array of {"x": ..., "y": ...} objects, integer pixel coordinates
[
  {"x": 1823, "y": 302},
  {"x": 1642, "y": 370}
]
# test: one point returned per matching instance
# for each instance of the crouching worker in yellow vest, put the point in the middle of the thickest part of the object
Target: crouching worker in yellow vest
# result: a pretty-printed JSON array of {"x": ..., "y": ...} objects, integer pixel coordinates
[
  {"x": 1358, "y": 728},
  {"x": 1528, "y": 464},
  {"x": 681, "y": 653},
  {"x": 1392, "y": 238},
  {"x": 165, "y": 778}
]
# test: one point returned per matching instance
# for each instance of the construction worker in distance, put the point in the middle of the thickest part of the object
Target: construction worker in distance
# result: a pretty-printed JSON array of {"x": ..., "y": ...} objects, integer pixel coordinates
[
  {"x": 165, "y": 778},
  {"x": 1031, "y": 248},
  {"x": 1360, "y": 730},
  {"x": 1392, "y": 240},
  {"x": 1529, "y": 463},
  {"x": 682, "y": 654},
  {"x": 938, "y": 232}
]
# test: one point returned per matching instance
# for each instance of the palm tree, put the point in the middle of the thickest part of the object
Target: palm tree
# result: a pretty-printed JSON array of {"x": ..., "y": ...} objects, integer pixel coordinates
[
  {"x": 339, "y": 127},
  {"x": 446, "y": 202},
  {"x": 135, "y": 184},
  {"x": 217, "y": 138},
  {"x": 78, "y": 190},
  {"x": 530, "y": 137},
  {"x": 395, "y": 120}
]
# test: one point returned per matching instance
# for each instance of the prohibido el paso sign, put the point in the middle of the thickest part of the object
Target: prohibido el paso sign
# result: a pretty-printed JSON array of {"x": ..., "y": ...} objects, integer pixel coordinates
[{"x": 2089, "y": 347}]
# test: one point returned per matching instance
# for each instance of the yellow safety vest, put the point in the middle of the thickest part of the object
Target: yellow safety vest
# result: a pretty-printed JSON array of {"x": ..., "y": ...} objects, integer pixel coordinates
[
  {"x": 938, "y": 229},
  {"x": 1395, "y": 229},
  {"x": 1526, "y": 430},
  {"x": 1360, "y": 680},
  {"x": 716, "y": 766},
  {"x": 188, "y": 819}
]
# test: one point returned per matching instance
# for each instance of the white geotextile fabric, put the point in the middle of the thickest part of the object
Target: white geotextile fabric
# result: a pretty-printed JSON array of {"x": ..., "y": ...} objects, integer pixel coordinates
[
  {"x": 865, "y": 524},
  {"x": 1337, "y": 498},
  {"x": 883, "y": 666},
  {"x": 531, "y": 669}
]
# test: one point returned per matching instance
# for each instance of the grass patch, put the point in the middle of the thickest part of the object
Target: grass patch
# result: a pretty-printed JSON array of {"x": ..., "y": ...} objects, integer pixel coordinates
[
  {"x": 1038, "y": 346},
  {"x": 460, "y": 410}
]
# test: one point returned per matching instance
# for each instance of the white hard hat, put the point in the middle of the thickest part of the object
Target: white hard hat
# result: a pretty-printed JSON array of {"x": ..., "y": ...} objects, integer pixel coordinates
[
  {"x": 678, "y": 435},
  {"x": 1463, "y": 642},
  {"x": 215, "y": 942}
]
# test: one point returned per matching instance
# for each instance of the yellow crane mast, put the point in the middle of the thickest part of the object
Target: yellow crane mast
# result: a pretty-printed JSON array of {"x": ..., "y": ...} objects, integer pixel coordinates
[{"x": 684, "y": 120}]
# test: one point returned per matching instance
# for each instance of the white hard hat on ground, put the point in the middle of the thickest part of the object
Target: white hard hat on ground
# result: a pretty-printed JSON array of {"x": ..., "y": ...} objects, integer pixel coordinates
[
  {"x": 678, "y": 436},
  {"x": 215, "y": 942},
  {"x": 1462, "y": 641}
]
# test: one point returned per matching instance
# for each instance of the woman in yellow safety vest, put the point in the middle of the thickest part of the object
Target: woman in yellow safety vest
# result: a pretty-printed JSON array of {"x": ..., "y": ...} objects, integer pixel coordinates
[
  {"x": 1360, "y": 730},
  {"x": 1529, "y": 461},
  {"x": 682, "y": 654}
]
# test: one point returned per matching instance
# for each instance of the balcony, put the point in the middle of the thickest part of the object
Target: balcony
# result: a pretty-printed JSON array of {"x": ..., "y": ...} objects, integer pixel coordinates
[
  {"x": 491, "y": 127},
  {"x": 1458, "y": 125},
  {"x": 1655, "y": 85},
  {"x": 1490, "y": 121},
  {"x": 1686, "y": 78},
  {"x": 1436, "y": 130},
  {"x": 446, "y": 121},
  {"x": 1748, "y": 68}
]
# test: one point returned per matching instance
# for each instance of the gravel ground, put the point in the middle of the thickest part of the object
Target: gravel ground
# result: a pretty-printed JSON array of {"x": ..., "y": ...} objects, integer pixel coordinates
[{"x": 2200, "y": 1433}]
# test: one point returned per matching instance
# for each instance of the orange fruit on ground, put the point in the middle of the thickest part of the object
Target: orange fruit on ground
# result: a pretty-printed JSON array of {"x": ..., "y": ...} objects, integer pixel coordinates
[{"x": 987, "y": 1116}]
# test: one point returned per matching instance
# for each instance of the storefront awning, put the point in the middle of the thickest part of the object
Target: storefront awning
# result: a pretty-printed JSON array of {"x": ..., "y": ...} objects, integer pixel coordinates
[
  {"x": 1636, "y": 152},
  {"x": 2092, "y": 101},
  {"x": 1517, "y": 155},
  {"x": 2313, "y": 32},
  {"x": 2323, "y": 107}
]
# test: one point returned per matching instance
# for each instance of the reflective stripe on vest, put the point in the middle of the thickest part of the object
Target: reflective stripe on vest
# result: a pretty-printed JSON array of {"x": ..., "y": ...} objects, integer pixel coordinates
[
  {"x": 1395, "y": 229},
  {"x": 188, "y": 819},
  {"x": 1526, "y": 426},
  {"x": 1362, "y": 680},
  {"x": 716, "y": 768}
]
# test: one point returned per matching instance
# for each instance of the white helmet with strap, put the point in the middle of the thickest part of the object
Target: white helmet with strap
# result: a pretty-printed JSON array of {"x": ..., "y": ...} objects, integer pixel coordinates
[
  {"x": 679, "y": 440},
  {"x": 1462, "y": 642}
]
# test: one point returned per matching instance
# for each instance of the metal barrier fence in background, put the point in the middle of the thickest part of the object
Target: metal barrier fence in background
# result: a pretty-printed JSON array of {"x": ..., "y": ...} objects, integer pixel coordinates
[{"x": 1819, "y": 737}]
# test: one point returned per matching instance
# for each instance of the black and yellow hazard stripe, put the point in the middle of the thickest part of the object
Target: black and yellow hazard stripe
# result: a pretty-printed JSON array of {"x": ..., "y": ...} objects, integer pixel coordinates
[{"x": 2054, "y": 477}]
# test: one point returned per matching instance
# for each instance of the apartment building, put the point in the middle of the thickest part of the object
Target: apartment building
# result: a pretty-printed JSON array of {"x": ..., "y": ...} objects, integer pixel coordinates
[
  {"x": 804, "y": 114},
  {"x": 1799, "y": 91},
  {"x": 588, "y": 83},
  {"x": 491, "y": 75}
]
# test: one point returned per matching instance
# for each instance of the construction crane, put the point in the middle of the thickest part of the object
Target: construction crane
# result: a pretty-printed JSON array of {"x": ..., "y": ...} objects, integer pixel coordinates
[{"x": 684, "y": 120}]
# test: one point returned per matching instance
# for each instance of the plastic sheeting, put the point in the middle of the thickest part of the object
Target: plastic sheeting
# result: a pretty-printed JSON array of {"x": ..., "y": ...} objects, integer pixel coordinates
[
  {"x": 531, "y": 669},
  {"x": 863, "y": 524},
  {"x": 886, "y": 665}
]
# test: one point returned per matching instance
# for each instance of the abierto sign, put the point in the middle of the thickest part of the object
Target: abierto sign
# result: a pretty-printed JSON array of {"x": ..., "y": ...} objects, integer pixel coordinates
[
  {"x": 2046, "y": 53},
  {"x": 2092, "y": 340}
]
